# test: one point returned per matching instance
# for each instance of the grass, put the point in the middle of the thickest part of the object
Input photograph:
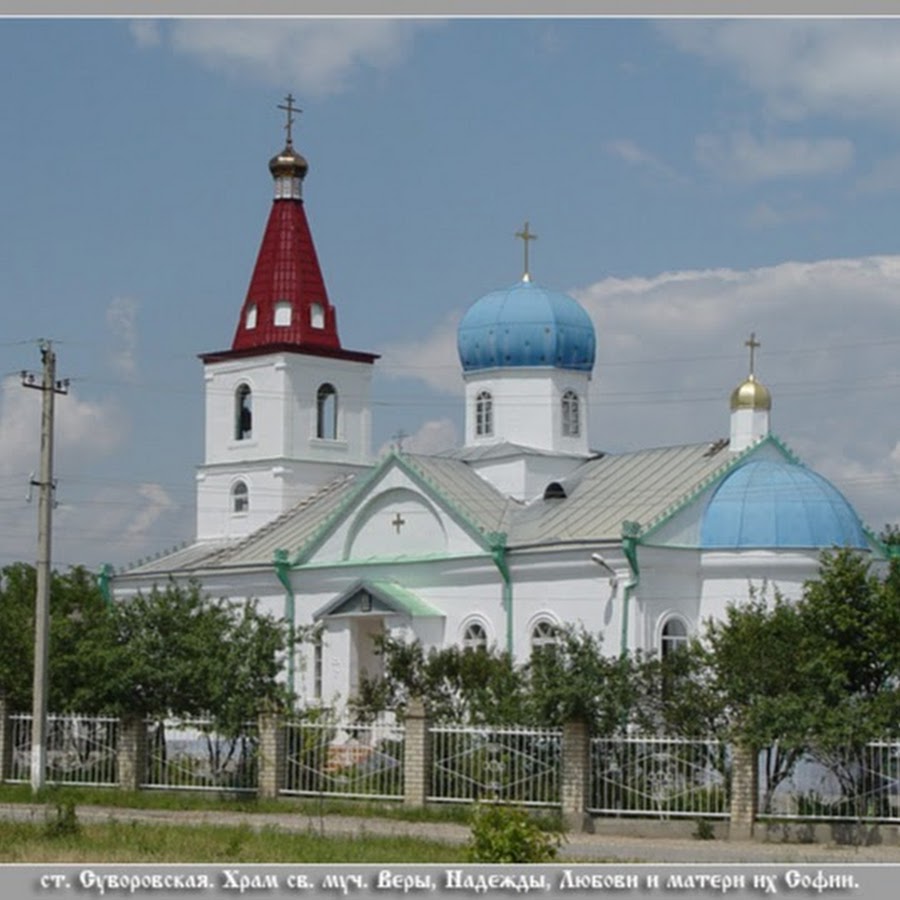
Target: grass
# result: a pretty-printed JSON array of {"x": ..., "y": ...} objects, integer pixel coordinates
[
  {"x": 235, "y": 802},
  {"x": 133, "y": 842},
  {"x": 56, "y": 834}
]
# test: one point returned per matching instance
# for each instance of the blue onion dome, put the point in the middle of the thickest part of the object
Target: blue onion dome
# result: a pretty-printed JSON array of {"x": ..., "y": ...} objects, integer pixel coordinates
[
  {"x": 526, "y": 325},
  {"x": 779, "y": 504}
]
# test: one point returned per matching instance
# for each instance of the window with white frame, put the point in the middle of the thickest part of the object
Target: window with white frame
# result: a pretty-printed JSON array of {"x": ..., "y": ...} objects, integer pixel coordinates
[
  {"x": 674, "y": 635},
  {"x": 250, "y": 321},
  {"x": 317, "y": 315},
  {"x": 240, "y": 497},
  {"x": 318, "y": 653},
  {"x": 543, "y": 634},
  {"x": 475, "y": 637},
  {"x": 571, "y": 423},
  {"x": 484, "y": 414}
]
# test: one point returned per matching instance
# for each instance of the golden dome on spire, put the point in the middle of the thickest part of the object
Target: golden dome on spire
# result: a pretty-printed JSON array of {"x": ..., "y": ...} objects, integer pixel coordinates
[{"x": 751, "y": 394}]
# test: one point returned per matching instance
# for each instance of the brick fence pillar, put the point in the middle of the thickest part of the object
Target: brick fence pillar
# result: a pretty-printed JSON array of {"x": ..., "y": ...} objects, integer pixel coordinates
[
  {"x": 272, "y": 755},
  {"x": 576, "y": 770},
  {"x": 416, "y": 754},
  {"x": 132, "y": 754},
  {"x": 5, "y": 741},
  {"x": 744, "y": 792}
]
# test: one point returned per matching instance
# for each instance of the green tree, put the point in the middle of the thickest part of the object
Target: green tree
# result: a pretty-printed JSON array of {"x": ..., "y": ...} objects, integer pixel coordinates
[
  {"x": 79, "y": 641},
  {"x": 180, "y": 653},
  {"x": 476, "y": 686}
]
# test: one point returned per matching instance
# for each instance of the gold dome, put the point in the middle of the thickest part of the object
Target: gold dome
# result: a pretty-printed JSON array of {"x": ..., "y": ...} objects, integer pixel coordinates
[
  {"x": 751, "y": 395},
  {"x": 288, "y": 163}
]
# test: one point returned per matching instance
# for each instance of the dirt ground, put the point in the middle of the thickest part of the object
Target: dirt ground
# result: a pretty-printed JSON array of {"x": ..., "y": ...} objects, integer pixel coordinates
[{"x": 577, "y": 846}]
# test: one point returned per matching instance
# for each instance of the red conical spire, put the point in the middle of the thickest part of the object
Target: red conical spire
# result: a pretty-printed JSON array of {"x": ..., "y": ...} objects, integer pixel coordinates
[
  {"x": 287, "y": 306},
  {"x": 287, "y": 303}
]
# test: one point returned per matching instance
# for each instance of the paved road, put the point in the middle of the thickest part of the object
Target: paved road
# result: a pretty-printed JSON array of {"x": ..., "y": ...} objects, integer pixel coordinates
[{"x": 584, "y": 847}]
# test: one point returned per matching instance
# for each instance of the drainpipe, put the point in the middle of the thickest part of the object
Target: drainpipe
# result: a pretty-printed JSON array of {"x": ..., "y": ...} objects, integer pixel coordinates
[
  {"x": 105, "y": 573},
  {"x": 631, "y": 532},
  {"x": 283, "y": 572},
  {"x": 498, "y": 549}
]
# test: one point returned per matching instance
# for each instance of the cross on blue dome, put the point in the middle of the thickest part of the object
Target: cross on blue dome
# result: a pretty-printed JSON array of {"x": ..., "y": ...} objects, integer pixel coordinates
[{"x": 526, "y": 325}]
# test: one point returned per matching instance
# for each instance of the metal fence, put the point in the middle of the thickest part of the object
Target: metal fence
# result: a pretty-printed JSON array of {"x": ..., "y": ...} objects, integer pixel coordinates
[
  {"x": 79, "y": 749},
  {"x": 336, "y": 759},
  {"x": 509, "y": 765},
  {"x": 189, "y": 754},
  {"x": 851, "y": 783},
  {"x": 660, "y": 777}
]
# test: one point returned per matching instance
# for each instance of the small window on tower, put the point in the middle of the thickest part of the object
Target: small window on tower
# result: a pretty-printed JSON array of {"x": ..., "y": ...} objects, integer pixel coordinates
[
  {"x": 243, "y": 413},
  {"x": 571, "y": 425},
  {"x": 484, "y": 414},
  {"x": 250, "y": 321},
  {"x": 240, "y": 497},
  {"x": 282, "y": 314},
  {"x": 317, "y": 315},
  {"x": 326, "y": 412}
]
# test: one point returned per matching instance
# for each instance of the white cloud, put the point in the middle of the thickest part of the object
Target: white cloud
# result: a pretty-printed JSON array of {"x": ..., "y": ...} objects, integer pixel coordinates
[
  {"x": 146, "y": 32},
  {"x": 121, "y": 318},
  {"x": 83, "y": 428},
  {"x": 804, "y": 67},
  {"x": 433, "y": 436},
  {"x": 769, "y": 215},
  {"x": 630, "y": 152},
  {"x": 314, "y": 56},
  {"x": 433, "y": 359},
  {"x": 742, "y": 157},
  {"x": 884, "y": 176}
]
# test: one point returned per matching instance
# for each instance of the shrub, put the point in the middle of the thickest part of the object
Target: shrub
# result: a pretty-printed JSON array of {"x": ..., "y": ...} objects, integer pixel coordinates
[{"x": 501, "y": 834}]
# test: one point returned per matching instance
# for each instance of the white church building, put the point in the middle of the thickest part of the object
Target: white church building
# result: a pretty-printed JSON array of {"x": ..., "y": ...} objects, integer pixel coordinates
[{"x": 522, "y": 529}]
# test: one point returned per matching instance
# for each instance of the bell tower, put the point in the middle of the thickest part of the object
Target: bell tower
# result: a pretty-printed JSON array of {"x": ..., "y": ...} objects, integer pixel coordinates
[{"x": 287, "y": 407}]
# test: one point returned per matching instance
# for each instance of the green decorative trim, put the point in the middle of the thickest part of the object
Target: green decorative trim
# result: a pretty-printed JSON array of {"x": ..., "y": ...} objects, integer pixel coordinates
[
  {"x": 421, "y": 480},
  {"x": 283, "y": 573},
  {"x": 498, "y": 549},
  {"x": 103, "y": 579},
  {"x": 388, "y": 561}
]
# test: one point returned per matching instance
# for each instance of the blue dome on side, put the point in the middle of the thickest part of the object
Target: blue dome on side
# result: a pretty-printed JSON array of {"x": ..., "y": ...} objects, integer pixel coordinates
[
  {"x": 772, "y": 504},
  {"x": 526, "y": 325}
]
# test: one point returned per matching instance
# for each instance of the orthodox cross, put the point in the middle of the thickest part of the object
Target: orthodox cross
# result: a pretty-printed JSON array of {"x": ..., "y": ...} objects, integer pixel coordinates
[
  {"x": 398, "y": 522},
  {"x": 290, "y": 109},
  {"x": 753, "y": 343},
  {"x": 398, "y": 439},
  {"x": 526, "y": 236}
]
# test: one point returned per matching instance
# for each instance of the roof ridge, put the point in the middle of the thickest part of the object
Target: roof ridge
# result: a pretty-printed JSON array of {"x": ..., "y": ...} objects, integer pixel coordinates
[{"x": 306, "y": 501}]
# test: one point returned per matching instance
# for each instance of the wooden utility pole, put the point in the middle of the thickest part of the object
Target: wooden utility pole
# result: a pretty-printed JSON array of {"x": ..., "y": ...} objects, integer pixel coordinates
[{"x": 49, "y": 387}]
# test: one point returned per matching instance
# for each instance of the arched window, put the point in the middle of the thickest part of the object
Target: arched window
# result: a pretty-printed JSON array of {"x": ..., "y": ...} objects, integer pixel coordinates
[
  {"x": 240, "y": 497},
  {"x": 674, "y": 635},
  {"x": 316, "y": 315},
  {"x": 326, "y": 412},
  {"x": 571, "y": 423},
  {"x": 475, "y": 637},
  {"x": 243, "y": 412},
  {"x": 484, "y": 414},
  {"x": 282, "y": 314},
  {"x": 544, "y": 634}
]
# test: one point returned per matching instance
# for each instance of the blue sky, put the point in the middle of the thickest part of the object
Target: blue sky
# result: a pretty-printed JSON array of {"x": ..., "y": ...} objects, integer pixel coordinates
[{"x": 690, "y": 181}]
